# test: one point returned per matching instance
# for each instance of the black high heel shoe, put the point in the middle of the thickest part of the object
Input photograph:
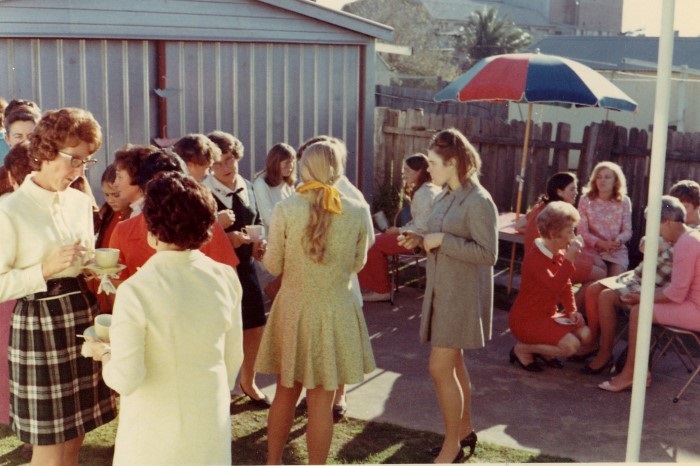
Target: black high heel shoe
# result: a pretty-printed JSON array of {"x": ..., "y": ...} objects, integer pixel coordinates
[
  {"x": 554, "y": 362},
  {"x": 468, "y": 441},
  {"x": 588, "y": 370},
  {"x": 532, "y": 367}
]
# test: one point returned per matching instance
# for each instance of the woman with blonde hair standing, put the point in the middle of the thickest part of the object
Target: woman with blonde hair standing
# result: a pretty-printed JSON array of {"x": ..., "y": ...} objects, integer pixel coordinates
[
  {"x": 316, "y": 337},
  {"x": 461, "y": 242}
]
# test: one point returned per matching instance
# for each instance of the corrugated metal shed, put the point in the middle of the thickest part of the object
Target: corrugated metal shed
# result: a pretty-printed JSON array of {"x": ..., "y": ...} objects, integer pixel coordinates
[{"x": 266, "y": 71}]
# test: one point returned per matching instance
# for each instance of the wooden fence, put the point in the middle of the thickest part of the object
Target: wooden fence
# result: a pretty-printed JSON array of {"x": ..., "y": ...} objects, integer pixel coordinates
[{"x": 399, "y": 133}]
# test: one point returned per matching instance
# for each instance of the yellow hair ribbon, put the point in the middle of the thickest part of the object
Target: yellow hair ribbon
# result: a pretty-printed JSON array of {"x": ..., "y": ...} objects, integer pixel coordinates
[{"x": 331, "y": 195}]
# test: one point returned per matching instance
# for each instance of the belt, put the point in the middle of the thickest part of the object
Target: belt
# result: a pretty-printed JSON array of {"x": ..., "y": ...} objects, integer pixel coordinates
[{"x": 59, "y": 287}]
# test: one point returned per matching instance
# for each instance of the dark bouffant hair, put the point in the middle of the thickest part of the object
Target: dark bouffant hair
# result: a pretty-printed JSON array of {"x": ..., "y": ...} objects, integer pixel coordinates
[
  {"x": 58, "y": 129},
  {"x": 163, "y": 160},
  {"x": 227, "y": 143},
  {"x": 130, "y": 157},
  {"x": 17, "y": 162},
  {"x": 5, "y": 186},
  {"x": 178, "y": 210}
]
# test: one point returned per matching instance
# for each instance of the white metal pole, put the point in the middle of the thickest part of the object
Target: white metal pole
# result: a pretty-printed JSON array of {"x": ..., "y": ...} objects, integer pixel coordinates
[{"x": 656, "y": 181}]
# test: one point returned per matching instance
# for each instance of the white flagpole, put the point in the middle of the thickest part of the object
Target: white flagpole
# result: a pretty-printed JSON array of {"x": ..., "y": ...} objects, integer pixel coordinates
[{"x": 656, "y": 181}]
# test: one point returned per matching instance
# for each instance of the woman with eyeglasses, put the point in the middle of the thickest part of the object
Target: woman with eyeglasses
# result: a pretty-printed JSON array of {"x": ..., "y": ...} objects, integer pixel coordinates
[
  {"x": 461, "y": 242},
  {"x": 57, "y": 396}
]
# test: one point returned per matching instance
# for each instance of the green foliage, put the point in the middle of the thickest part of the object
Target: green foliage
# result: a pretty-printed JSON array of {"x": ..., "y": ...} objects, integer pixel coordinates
[
  {"x": 413, "y": 27},
  {"x": 486, "y": 34}
]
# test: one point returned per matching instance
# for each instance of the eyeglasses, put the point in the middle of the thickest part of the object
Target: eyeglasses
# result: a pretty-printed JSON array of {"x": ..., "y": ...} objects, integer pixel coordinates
[{"x": 77, "y": 162}]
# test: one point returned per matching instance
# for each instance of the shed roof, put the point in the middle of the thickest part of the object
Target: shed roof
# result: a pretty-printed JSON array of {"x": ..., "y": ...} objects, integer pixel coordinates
[
  {"x": 245, "y": 20},
  {"x": 610, "y": 52}
]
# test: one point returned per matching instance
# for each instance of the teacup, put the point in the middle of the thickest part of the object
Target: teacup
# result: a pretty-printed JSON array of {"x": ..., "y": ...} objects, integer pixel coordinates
[
  {"x": 254, "y": 232},
  {"x": 102, "y": 324},
  {"x": 106, "y": 258},
  {"x": 380, "y": 220}
]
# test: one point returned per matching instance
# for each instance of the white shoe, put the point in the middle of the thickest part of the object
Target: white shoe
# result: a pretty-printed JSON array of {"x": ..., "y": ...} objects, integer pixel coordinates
[{"x": 373, "y": 296}]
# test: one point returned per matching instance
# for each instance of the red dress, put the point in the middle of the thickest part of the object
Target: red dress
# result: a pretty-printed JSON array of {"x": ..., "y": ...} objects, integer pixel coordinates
[
  {"x": 129, "y": 237},
  {"x": 546, "y": 282}
]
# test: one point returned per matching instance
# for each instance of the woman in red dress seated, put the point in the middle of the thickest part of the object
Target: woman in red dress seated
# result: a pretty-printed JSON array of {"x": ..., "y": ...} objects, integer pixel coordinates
[{"x": 542, "y": 331}]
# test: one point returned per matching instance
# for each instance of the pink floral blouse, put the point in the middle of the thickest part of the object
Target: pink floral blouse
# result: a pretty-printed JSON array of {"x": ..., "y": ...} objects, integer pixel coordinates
[{"x": 606, "y": 220}]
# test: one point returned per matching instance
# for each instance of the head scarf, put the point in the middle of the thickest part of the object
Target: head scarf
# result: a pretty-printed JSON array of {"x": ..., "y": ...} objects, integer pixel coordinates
[{"x": 331, "y": 195}]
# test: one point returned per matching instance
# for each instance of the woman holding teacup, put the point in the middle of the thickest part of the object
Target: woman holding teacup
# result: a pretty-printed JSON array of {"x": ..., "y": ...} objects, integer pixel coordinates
[
  {"x": 45, "y": 230},
  {"x": 176, "y": 337},
  {"x": 235, "y": 193}
]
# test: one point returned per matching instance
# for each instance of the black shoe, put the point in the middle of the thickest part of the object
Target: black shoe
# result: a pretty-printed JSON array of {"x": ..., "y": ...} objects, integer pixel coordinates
[
  {"x": 554, "y": 362},
  {"x": 339, "y": 411},
  {"x": 468, "y": 441},
  {"x": 532, "y": 367},
  {"x": 459, "y": 458},
  {"x": 587, "y": 369},
  {"x": 582, "y": 357},
  {"x": 262, "y": 403}
]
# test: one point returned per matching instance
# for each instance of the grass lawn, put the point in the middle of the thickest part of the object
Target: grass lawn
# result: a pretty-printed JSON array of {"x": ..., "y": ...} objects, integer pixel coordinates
[{"x": 354, "y": 442}]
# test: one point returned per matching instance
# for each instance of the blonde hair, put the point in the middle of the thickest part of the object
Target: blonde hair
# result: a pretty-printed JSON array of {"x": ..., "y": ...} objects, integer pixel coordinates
[
  {"x": 320, "y": 162},
  {"x": 555, "y": 217},
  {"x": 620, "y": 187}
]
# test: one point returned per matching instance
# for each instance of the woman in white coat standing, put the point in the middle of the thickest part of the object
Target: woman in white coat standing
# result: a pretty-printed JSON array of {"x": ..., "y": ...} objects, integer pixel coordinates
[{"x": 176, "y": 337}]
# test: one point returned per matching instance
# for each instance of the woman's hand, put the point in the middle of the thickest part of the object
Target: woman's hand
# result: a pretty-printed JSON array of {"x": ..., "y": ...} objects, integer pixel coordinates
[
  {"x": 409, "y": 240},
  {"x": 574, "y": 248},
  {"x": 97, "y": 348},
  {"x": 238, "y": 238},
  {"x": 630, "y": 298},
  {"x": 225, "y": 218},
  {"x": 578, "y": 319},
  {"x": 392, "y": 231},
  {"x": 432, "y": 241},
  {"x": 607, "y": 246},
  {"x": 259, "y": 248},
  {"x": 62, "y": 258}
]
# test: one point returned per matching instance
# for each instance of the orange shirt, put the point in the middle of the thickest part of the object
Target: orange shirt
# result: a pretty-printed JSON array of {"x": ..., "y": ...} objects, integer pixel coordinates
[{"x": 129, "y": 237}]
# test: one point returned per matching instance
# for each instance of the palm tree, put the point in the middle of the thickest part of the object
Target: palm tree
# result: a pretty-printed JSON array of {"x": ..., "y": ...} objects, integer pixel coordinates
[{"x": 486, "y": 34}]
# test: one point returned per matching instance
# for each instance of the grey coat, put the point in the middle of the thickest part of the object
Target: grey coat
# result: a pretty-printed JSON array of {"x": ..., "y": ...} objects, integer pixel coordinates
[{"x": 458, "y": 303}]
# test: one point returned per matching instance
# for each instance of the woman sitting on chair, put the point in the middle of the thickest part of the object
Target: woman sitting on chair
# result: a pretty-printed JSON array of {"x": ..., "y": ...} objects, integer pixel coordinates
[
  {"x": 374, "y": 277},
  {"x": 677, "y": 303},
  {"x": 546, "y": 282}
]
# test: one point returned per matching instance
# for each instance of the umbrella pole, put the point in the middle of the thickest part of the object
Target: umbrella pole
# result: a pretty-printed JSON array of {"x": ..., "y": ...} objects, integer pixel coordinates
[{"x": 521, "y": 181}]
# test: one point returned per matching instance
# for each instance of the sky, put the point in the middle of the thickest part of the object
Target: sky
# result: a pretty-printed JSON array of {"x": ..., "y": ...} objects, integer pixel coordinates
[{"x": 636, "y": 14}]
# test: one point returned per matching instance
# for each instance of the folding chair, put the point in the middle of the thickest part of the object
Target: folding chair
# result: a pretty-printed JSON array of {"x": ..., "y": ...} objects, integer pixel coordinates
[
  {"x": 398, "y": 262},
  {"x": 672, "y": 338}
]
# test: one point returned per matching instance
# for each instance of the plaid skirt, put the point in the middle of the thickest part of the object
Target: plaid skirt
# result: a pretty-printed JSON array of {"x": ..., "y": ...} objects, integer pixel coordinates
[{"x": 55, "y": 393}]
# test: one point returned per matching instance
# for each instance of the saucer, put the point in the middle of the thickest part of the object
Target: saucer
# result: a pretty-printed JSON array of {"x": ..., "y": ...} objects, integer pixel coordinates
[
  {"x": 105, "y": 270},
  {"x": 90, "y": 332},
  {"x": 563, "y": 321}
]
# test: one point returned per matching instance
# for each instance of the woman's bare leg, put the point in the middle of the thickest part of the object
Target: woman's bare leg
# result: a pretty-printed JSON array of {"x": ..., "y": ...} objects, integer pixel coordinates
[
  {"x": 319, "y": 430},
  {"x": 450, "y": 398},
  {"x": 280, "y": 419},
  {"x": 465, "y": 424},
  {"x": 251, "y": 343}
]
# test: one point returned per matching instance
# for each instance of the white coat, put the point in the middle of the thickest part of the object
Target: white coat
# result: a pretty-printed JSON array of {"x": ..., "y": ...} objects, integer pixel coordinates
[{"x": 176, "y": 339}]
